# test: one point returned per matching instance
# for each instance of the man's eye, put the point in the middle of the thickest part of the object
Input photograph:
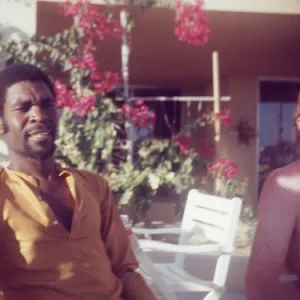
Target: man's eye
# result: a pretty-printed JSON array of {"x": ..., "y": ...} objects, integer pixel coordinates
[
  {"x": 25, "y": 107},
  {"x": 48, "y": 104}
]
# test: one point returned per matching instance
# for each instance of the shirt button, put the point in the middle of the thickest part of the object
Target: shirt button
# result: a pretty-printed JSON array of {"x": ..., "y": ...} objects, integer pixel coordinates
[{"x": 55, "y": 222}]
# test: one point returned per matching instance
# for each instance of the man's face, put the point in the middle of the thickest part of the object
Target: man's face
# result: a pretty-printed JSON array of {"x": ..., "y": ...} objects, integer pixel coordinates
[{"x": 30, "y": 120}]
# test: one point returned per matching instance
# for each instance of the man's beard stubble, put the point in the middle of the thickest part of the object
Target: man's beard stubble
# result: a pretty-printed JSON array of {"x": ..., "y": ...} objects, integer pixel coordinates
[
  {"x": 31, "y": 153},
  {"x": 39, "y": 155}
]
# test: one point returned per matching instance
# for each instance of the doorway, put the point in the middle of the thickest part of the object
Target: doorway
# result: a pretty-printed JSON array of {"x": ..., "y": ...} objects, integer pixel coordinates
[{"x": 278, "y": 145}]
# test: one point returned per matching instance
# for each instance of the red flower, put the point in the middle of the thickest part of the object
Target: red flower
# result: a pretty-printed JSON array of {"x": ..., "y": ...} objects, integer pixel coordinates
[
  {"x": 86, "y": 62},
  {"x": 84, "y": 106},
  {"x": 224, "y": 117},
  {"x": 224, "y": 168},
  {"x": 192, "y": 24},
  {"x": 206, "y": 149},
  {"x": 79, "y": 104},
  {"x": 138, "y": 115},
  {"x": 93, "y": 22},
  {"x": 64, "y": 97},
  {"x": 184, "y": 143},
  {"x": 139, "y": 102},
  {"x": 102, "y": 81},
  {"x": 105, "y": 81}
]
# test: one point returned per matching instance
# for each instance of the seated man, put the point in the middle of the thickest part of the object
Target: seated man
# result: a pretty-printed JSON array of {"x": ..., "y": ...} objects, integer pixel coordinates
[
  {"x": 61, "y": 235},
  {"x": 276, "y": 244}
]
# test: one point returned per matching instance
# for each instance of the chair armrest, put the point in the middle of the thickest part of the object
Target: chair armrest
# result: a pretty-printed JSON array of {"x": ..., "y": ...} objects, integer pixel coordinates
[
  {"x": 152, "y": 231},
  {"x": 187, "y": 249}
]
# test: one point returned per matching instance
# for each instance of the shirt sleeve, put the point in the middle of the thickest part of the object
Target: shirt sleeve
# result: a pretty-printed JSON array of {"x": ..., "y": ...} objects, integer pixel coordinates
[{"x": 119, "y": 250}]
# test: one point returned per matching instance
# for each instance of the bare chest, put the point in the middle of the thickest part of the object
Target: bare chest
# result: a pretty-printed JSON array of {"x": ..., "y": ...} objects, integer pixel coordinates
[
  {"x": 293, "y": 258},
  {"x": 56, "y": 191},
  {"x": 58, "y": 196}
]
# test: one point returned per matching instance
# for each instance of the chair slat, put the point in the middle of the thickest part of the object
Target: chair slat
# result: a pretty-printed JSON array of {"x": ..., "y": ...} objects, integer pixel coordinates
[
  {"x": 210, "y": 232},
  {"x": 208, "y": 216},
  {"x": 211, "y": 202},
  {"x": 216, "y": 219}
]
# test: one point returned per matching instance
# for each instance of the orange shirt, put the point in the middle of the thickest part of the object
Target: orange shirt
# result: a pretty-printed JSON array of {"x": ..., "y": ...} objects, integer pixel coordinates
[{"x": 41, "y": 260}]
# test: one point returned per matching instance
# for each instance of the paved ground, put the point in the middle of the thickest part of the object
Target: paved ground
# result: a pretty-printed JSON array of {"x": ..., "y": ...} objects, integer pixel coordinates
[
  {"x": 230, "y": 295},
  {"x": 203, "y": 267}
]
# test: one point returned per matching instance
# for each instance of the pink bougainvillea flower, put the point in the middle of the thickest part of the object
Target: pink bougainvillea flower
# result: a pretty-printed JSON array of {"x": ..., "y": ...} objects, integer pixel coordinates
[
  {"x": 139, "y": 115},
  {"x": 206, "y": 149},
  {"x": 224, "y": 168},
  {"x": 224, "y": 116},
  {"x": 93, "y": 22},
  {"x": 79, "y": 104},
  {"x": 184, "y": 142},
  {"x": 192, "y": 25}
]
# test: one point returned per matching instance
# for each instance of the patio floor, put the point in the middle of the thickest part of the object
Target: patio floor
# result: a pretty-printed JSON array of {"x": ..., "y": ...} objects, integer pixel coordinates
[
  {"x": 203, "y": 266},
  {"x": 229, "y": 295}
]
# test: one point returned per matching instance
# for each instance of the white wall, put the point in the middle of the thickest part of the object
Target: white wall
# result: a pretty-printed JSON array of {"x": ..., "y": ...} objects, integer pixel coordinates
[
  {"x": 261, "y": 6},
  {"x": 17, "y": 21},
  {"x": 19, "y": 15}
]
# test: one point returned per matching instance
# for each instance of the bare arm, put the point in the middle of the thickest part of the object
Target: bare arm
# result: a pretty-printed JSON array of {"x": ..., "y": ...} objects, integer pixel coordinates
[
  {"x": 118, "y": 247},
  {"x": 276, "y": 221}
]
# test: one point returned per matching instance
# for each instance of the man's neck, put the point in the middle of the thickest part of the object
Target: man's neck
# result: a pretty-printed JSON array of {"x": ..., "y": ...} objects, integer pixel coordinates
[{"x": 44, "y": 169}]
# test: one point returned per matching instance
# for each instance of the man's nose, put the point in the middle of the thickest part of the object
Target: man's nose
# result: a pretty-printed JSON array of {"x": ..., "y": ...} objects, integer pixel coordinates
[{"x": 37, "y": 114}]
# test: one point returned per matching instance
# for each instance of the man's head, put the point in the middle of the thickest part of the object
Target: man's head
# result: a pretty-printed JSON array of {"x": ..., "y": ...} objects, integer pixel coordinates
[{"x": 27, "y": 111}]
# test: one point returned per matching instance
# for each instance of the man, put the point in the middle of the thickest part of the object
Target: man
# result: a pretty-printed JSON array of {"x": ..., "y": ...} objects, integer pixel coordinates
[
  {"x": 276, "y": 246},
  {"x": 60, "y": 233}
]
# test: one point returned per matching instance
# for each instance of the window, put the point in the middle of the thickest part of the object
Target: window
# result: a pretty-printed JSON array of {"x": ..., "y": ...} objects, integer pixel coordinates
[
  {"x": 278, "y": 146},
  {"x": 168, "y": 113}
]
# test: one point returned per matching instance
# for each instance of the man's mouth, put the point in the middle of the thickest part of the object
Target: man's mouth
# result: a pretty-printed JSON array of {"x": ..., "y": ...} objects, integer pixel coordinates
[{"x": 40, "y": 134}]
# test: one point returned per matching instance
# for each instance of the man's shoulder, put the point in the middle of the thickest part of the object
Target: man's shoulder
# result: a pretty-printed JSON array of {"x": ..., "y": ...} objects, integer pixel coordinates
[
  {"x": 291, "y": 170},
  {"x": 94, "y": 184},
  {"x": 88, "y": 176},
  {"x": 286, "y": 178},
  {"x": 85, "y": 174}
]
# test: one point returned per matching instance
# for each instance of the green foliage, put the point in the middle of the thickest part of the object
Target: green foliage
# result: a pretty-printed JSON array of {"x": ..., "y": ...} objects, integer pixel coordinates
[
  {"x": 87, "y": 142},
  {"x": 94, "y": 142}
]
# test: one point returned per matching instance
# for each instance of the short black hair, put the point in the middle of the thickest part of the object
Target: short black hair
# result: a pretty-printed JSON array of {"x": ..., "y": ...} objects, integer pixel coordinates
[{"x": 21, "y": 72}]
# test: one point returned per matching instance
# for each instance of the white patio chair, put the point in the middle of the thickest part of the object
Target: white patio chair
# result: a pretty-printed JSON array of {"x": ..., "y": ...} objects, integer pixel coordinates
[
  {"x": 215, "y": 218},
  {"x": 158, "y": 285},
  {"x": 151, "y": 275}
]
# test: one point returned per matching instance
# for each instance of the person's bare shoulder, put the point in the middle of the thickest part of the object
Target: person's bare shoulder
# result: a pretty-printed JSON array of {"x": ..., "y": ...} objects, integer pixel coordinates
[
  {"x": 286, "y": 179},
  {"x": 277, "y": 215}
]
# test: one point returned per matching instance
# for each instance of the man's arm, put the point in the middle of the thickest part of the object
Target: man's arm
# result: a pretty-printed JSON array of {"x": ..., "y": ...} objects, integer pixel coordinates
[
  {"x": 276, "y": 222},
  {"x": 118, "y": 247}
]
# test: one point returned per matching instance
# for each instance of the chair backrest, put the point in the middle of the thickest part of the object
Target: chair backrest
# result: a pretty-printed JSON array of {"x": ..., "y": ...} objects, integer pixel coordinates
[{"x": 213, "y": 217}]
